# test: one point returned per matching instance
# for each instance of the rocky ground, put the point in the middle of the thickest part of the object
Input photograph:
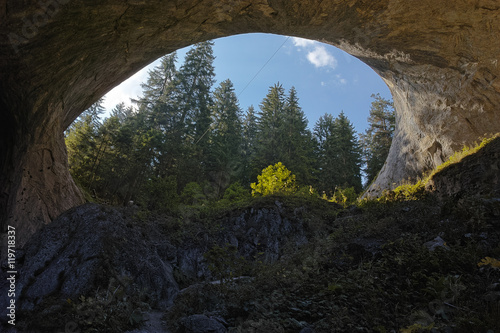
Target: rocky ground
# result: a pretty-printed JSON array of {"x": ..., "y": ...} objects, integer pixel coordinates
[{"x": 424, "y": 263}]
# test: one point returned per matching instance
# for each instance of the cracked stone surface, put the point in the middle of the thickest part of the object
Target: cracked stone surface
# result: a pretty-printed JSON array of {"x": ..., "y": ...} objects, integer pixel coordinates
[{"x": 440, "y": 62}]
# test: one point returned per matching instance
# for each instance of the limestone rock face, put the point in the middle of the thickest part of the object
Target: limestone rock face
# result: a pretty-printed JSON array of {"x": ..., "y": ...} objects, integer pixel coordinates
[
  {"x": 82, "y": 251},
  {"x": 440, "y": 61}
]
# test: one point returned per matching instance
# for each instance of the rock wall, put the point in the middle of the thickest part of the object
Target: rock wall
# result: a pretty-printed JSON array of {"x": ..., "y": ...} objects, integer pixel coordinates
[
  {"x": 93, "y": 247},
  {"x": 57, "y": 57}
]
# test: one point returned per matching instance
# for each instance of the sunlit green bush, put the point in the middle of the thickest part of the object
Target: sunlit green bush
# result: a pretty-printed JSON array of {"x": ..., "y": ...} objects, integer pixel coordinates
[
  {"x": 275, "y": 179},
  {"x": 344, "y": 197}
]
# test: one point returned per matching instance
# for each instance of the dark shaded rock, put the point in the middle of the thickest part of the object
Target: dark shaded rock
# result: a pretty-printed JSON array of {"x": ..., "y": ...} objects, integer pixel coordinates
[
  {"x": 363, "y": 249},
  {"x": 257, "y": 234},
  {"x": 81, "y": 251},
  {"x": 153, "y": 324},
  {"x": 307, "y": 330},
  {"x": 202, "y": 324},
  {"x": 265, "y": 230}
]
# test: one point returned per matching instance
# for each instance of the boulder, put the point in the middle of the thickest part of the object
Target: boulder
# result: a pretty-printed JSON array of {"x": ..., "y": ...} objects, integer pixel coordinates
[{"x": 202, "y": 324}]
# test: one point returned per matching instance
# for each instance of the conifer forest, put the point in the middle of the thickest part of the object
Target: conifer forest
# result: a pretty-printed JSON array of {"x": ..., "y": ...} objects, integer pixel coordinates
[{"x": 187, "y": 140}]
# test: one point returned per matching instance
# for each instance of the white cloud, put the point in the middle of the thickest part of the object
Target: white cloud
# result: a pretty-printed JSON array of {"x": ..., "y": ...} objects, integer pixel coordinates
[
  {"x": 301, "y": 42},
  {"x": 320, "y": 57},
  {"x": 317, "y": 54}
]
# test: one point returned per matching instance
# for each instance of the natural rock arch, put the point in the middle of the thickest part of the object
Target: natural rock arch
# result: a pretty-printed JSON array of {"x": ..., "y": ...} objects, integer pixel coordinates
[{"x": 440, "y": 61}]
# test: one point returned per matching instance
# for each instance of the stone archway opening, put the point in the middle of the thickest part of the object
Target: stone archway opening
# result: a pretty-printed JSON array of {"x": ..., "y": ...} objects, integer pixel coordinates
[
  {"x": 327, "y": 80},
  {"x": 440, "y": 63}
]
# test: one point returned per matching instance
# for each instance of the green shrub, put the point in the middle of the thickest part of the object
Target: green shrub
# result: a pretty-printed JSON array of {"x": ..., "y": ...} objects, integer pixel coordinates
[
  {"x": 405, "y": 192},
  {"x": 275, "y": 179},
  {"x": 193, "y": 195},
  {"x": 344, "y": 197},
  {"x": 235, "y": 193}
]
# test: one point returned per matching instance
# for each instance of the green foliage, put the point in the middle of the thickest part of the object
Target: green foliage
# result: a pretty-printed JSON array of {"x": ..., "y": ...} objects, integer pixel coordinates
[
  {"x": 249, "y": 146},
  {"x": 181, "y": 129},
  {"x": 111, "y": 310},
  {"x": 371, "y": 258},
  {"x": 405, "y": 192},
  {"x": 193, "y": 195},
  {"x": 160, "y": 194},
  {"x": 275, "y": 179},
  {"x": 297, "y": 143},
  {"x": 118, "y": 307},
  {"x": 269, "y": 124},
  {"x": 236, "y": 193},
  {"x": 344, "y": 197},
  {"x": 408, "y": 191},
  {"x": 418, "y": 328},
  {"x": 377, "y": 139},
  {"x": 339, "y": 154},
  {"x": 282, "y": 133},
  {"x": 225, "y": 150},
  {"x": 306, "y": 191}
]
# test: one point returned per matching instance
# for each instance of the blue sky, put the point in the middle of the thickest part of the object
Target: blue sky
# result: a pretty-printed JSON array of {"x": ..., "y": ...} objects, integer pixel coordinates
[{"x": 327, "y": 79}]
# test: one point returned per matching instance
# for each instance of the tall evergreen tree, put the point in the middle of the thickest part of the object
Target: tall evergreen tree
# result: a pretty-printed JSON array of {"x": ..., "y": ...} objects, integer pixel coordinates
[
  {"x": 249, "y": 146},
  {"x": 297, "y": 147},
  {"x": 226, "y": 137},
  {"x": 348, "y": 154},
  {"x": 82, "y": 142},
  {"x": 196, "y": 77},
  {"x": 159, "y": 107},
  {"x": 160, "y": 83},
  {"x": 269, "y": 125},
  {"x": 377, "y": 139},
  {"x": 327, "y": 171},
  {"x": 339, "y": 154}
]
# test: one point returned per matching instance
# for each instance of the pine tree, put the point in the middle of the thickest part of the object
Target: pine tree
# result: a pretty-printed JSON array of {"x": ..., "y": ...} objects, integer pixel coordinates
[
  {"x": 82, "y": 142},
  {"x": 226, "y": 137},
  {"x": 269, "y": 125},
  {"x": 377, "y": 139},
  {"x": 339, "y": 154},
  {"x": 160, "y": 107},
  {"x": 297, "y": 147},
  {"x": 196, "y": 77},
  {"x": 160, "y": 84},
  {"x": 348, "y": 154},
  {"x": 249, "y": 146},
  {"x": 327, "y": 171}
]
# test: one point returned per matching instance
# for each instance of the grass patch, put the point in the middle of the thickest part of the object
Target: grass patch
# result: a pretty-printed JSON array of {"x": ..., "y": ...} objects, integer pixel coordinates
[{"x": 461, "y": 154}]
